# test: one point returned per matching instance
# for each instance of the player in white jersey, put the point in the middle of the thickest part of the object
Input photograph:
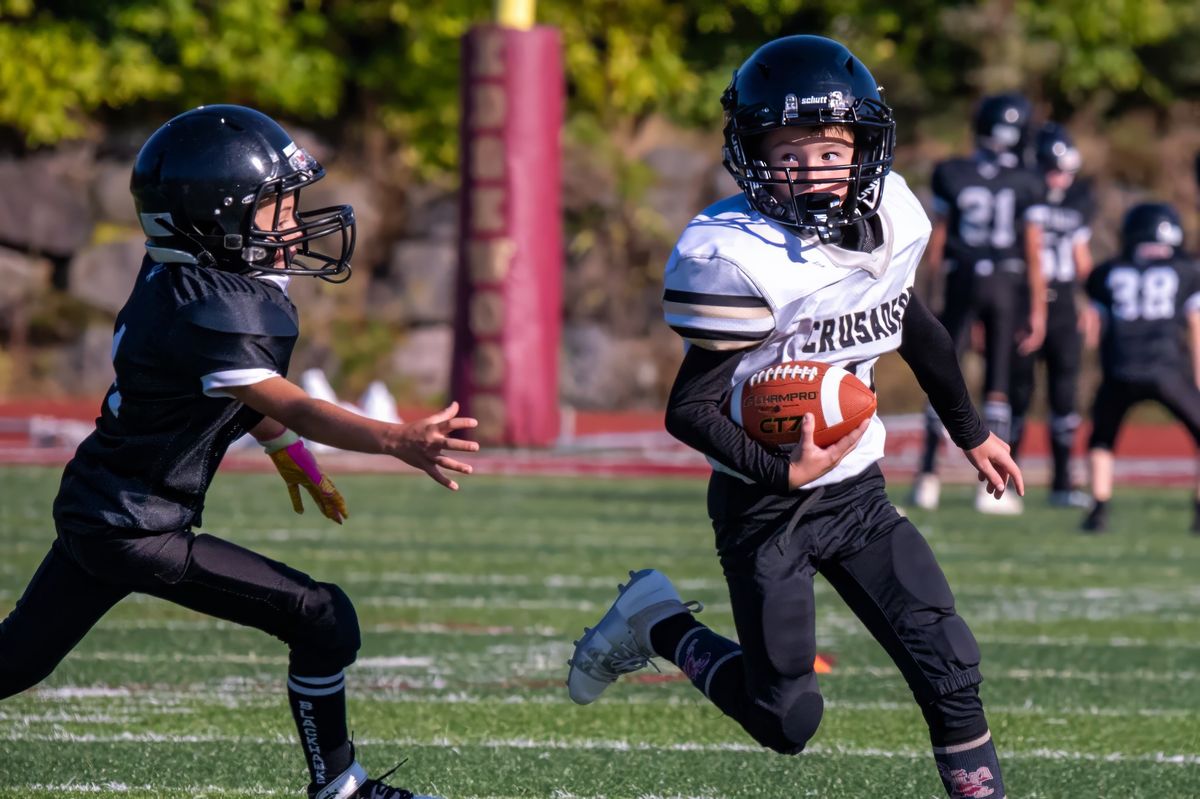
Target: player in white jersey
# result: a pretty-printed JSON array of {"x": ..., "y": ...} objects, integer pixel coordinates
[{"x": 813, "y": 261}]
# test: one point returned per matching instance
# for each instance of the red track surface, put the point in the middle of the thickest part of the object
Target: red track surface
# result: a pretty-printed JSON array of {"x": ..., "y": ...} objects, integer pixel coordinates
[{"x": 633, "y": 444}]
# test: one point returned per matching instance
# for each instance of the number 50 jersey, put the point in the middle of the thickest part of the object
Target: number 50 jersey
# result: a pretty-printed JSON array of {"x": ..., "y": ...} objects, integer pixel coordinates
[
  {"x": 1144, "y": 307},
  {"x": 737, "y": 280}
]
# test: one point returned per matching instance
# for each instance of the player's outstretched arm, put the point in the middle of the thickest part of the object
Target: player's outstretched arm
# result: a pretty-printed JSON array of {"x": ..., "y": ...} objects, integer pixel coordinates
[
  {"x": 421, "y": 443},
  {"x": 995, "y": 466}
]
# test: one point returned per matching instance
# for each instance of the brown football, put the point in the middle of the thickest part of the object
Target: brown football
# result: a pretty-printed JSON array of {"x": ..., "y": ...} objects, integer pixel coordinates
[{"x": 771, "y": 403}]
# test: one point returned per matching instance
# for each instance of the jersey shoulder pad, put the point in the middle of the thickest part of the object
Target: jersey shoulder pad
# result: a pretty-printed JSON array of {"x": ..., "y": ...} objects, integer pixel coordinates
[
  {"x": 904, "y": 207},
  {"x": 251, "y": 313},
  {"x": 712, "y": 303}
]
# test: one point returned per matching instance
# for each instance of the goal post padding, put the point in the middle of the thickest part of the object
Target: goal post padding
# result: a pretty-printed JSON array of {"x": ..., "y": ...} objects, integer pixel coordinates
[{"x": 509, "y": 292}]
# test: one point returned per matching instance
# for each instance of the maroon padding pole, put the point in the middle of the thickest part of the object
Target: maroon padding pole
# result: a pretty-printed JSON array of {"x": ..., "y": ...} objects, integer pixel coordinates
[{"x": 509, "y": 295}]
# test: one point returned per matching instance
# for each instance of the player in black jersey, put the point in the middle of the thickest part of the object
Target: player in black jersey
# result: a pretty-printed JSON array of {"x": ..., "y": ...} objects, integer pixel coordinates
[
  {"x": 1064, "y": 218},
  {"x": 989, "y": 247},
  {"x": 200, "y": 352},
  {"x": 1148, "y": 300}
]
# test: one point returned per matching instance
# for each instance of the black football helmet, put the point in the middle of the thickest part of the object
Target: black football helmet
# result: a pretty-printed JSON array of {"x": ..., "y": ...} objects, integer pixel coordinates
[
  {"x": 1002, "y": 125},
  {"x": 808, "y": 81},
  {"x": 200, "y": 179},
  {"x": 1151, "y": 223},
  {"x": 1055, "y": 150}
]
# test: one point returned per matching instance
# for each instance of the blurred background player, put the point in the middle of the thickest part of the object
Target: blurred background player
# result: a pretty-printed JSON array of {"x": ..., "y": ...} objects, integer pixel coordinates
[
  {"x": 823, "y": 234},
  {"x": 1066, "y": 260},
  {"x": 1148, "y": 299},
  {"x": 988, "y": 246}
]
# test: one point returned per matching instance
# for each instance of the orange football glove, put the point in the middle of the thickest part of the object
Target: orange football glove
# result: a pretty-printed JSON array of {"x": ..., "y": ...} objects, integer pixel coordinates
[{"x": 298, "y": 467}]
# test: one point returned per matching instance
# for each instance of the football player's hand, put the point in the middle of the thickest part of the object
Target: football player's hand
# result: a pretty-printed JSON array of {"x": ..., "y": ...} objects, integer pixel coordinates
[
  {"x": 1032, "y": 340},
  {"x": 995, "y": 466},
  {"x": 808, "y": 461},
  {"x": 299, "y": 469},
  {"x": 421, "y": 444}
]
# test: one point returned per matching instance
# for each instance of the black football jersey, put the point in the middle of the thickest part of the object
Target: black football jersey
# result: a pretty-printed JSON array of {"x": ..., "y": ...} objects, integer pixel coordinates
[
  {"x": 1064, "y": 221},
  {"x": 985, "y": 206},
  {"x": 1144, "y": 307},
  {"x": 165, "y": 424}
]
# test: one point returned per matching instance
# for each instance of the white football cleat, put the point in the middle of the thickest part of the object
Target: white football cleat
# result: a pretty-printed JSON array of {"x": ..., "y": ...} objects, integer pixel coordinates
[
  {"x": 927, "y": 491},
  {"x": 620, "y": 643},
  {"x": 1071, "y": 499},
  {"x": 1008, "y": 504}
]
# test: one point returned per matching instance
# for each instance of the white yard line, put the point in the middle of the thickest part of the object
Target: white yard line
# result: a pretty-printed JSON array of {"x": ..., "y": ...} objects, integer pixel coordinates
[
  {"x": 155, "y": 700},
  {"x": 545, "y": 631},
  {"x": 601, "y": 745},
  {"x": 443, "y": 665}
]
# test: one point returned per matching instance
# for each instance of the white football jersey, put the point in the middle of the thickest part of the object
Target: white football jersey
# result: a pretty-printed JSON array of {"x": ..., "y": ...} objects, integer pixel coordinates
[{"x": 737, "y": 280}]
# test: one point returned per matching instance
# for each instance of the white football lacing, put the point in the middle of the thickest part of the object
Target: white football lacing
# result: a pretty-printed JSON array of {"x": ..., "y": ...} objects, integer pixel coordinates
[{"x": 784, "y": 371}]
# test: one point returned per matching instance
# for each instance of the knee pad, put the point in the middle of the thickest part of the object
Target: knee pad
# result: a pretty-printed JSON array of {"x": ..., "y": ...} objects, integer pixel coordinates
[
  {"x": 800, "y": 721},
  {"x": 329, "y": 636},
  {"x": 792, "y": 725},
  {"x": 795, "y": 708},
  {"x": 1062, "y": 429}
]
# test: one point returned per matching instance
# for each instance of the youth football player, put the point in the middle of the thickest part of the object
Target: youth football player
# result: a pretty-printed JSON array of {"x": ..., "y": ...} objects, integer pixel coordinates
[
  {"x": 989, "y": 250},
  {"x": 1148, "y": 301},
  {"x": 814, "y": 260},
  {"x": 1066, "y": 260},
  {"x": 201, "y": 351}
]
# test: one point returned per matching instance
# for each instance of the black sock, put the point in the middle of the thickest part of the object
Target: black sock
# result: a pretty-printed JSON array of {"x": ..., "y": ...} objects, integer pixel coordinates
[
  {"x": 700, "y": 654},
  {"x": 319, "y": 710},
  {"x": 970, "y": 769},
  {"x": 1017, "y": 433},
  {"x": 998, "y": 416},
  {"x": 1062, "y": 465}
]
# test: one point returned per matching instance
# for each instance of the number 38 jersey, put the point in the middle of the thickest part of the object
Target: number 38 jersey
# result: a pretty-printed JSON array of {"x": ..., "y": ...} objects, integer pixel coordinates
[
  {"x": 737, "y": 280},
  {"x": 1144, "y": 307},
  {"x": 185, "y": 334},
  {"x": 985, "y": 206}
]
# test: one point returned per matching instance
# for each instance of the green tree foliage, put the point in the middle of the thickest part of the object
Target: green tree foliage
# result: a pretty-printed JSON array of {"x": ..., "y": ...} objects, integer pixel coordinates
[{"x": 392, "y": 65}]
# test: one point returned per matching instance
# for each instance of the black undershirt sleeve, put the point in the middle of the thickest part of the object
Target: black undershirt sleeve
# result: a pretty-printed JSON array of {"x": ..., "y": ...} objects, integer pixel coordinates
[
  {"x": 695, "y": 417},
  {"x": 929, "y": 351}
]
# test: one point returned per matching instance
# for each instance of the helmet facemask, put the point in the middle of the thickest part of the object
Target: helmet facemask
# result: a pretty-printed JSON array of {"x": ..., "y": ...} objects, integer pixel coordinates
[
  {"x": 782, "y": 192},
  {"x": 261, "y": 248}
]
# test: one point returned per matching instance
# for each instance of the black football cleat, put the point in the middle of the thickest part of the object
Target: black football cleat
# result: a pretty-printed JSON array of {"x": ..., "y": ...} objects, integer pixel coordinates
[
  {"x": 353, "y": 783},
  {"x": 1096, "y": 521}
]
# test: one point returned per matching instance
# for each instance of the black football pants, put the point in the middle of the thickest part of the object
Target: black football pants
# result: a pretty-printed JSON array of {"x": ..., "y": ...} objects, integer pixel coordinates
[
  {"x": 992, "y": 301},
  {"x": 1062, "y": 352},
  {"x": 83, "y": 576},
  {"x": 883, "y": 569},
  {"x": 1175, "y": 391}
]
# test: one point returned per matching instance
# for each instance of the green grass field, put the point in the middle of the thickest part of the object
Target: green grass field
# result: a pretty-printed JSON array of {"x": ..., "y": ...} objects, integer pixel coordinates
[{"x": 469, "y": 604}]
